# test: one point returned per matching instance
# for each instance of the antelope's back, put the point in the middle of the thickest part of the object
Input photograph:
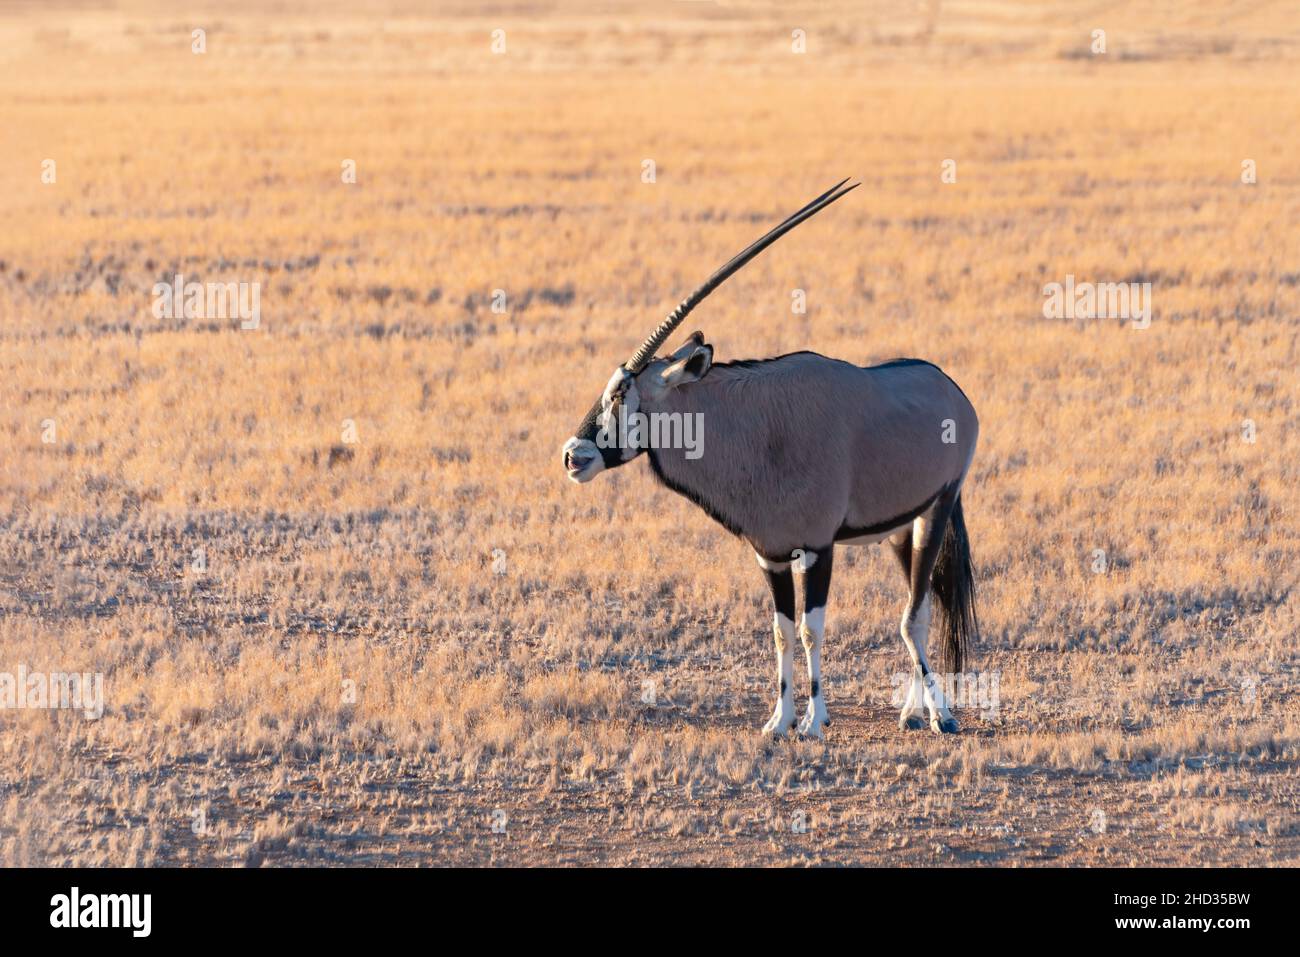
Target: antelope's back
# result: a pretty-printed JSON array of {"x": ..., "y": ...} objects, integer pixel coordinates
[
  {"x": 922, "y": 431},
  {"x": 894, "y": 434}
]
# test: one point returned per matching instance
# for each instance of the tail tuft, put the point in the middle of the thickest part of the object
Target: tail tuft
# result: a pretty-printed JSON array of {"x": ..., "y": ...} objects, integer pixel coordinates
[{"x": 953, "y": 583}]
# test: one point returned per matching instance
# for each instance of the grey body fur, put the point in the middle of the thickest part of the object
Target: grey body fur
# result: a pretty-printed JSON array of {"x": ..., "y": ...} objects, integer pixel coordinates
[{"x": 798, "y": 447}]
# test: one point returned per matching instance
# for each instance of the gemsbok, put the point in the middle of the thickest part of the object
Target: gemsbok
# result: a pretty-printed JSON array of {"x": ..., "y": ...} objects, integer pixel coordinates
[{"x": 800, "y": 453}]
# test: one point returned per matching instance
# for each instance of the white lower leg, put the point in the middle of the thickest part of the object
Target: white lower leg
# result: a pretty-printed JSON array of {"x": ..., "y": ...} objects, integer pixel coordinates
[
  {"x": 812, "y": 630},
  {"x": 916, "y": 633},
  {"x": 935, "y": 699},
  {"x": 907, "y": 628},
  {"x": 783, "y": 719},
  {"x": 913, "y": 707}
]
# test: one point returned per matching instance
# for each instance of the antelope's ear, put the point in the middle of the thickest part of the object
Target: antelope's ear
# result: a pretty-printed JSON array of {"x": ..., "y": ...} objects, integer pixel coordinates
[
  {"x": 691, "y": 367},
  {"x": 686, "y": 348}
]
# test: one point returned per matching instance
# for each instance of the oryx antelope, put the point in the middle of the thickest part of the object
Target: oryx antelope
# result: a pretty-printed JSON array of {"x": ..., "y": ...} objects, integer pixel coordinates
[{"x": 802, "y": 452}]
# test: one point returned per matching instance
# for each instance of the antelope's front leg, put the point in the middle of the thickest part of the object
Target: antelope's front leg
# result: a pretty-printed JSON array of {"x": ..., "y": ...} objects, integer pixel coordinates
[
  {"x": 781, "y": 581},
  {"x": 816, "y": 586}
]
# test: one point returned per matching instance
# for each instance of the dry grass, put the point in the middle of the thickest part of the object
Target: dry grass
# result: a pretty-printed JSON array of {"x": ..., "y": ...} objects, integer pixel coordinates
[{"x": 347, "y": 679}]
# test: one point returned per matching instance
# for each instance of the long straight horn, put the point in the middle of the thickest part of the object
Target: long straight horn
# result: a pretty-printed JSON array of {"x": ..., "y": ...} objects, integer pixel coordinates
[
  {"x": 661, "y": 334},
  {"x": 657, "y": 338}
]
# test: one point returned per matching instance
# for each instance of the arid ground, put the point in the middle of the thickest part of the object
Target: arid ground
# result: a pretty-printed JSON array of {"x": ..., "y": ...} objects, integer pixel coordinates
[{"x": 348, "y": 609}]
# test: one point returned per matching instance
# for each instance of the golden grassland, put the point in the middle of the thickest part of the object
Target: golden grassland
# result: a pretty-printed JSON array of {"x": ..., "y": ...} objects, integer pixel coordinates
[{"x": 308, "y": 639}]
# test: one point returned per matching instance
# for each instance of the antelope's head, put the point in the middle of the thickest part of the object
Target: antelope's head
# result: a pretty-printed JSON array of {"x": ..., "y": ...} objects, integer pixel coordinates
[
  {"x": 604, "y": 443},
  {"x": 598, "y": 444}
]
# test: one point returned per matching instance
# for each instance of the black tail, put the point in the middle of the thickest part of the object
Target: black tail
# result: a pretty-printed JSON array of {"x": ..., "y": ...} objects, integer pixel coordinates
[{"x": 953, "y": 583}]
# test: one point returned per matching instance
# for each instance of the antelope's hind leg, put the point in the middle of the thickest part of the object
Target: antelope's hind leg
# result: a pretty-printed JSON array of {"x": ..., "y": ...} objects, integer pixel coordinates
[
  {"x": 816, "y": 586},
  {"x": 912, "y": 717},
  {"x": 781, "y": 581},
  {"x": 926, "y": 539}
]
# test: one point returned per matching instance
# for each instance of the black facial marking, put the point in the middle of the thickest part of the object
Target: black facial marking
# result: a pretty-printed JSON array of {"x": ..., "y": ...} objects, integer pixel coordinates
[
  {"x": 612, "y": 455},
  {"x": 610, "y": 450}
]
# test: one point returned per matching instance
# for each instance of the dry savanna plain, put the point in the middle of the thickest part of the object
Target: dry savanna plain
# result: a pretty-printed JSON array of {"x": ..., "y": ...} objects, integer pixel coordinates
[{"x": 346, "y": 606}]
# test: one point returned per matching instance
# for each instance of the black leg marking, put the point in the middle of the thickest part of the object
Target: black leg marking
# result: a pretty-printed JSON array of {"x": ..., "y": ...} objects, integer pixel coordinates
[
  {"x": 816, "y": 589},
  {"x": 781, "y": 582},
  {"x": 903, "y": 553},
  {"x": 927, "y": 553},
  {"x": 917, "y": 564},
  {"x": 817, "y": 580}
]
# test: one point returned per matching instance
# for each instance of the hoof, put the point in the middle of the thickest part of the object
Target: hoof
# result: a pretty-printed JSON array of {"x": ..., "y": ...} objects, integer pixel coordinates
[
  {"x": 944, "y": 725},
  {"x": 910, "y": 722},
  {"x": 778, "y": 726},
  {"x": 811, "y": 729},
  {"x": 814, "y": 720}
]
